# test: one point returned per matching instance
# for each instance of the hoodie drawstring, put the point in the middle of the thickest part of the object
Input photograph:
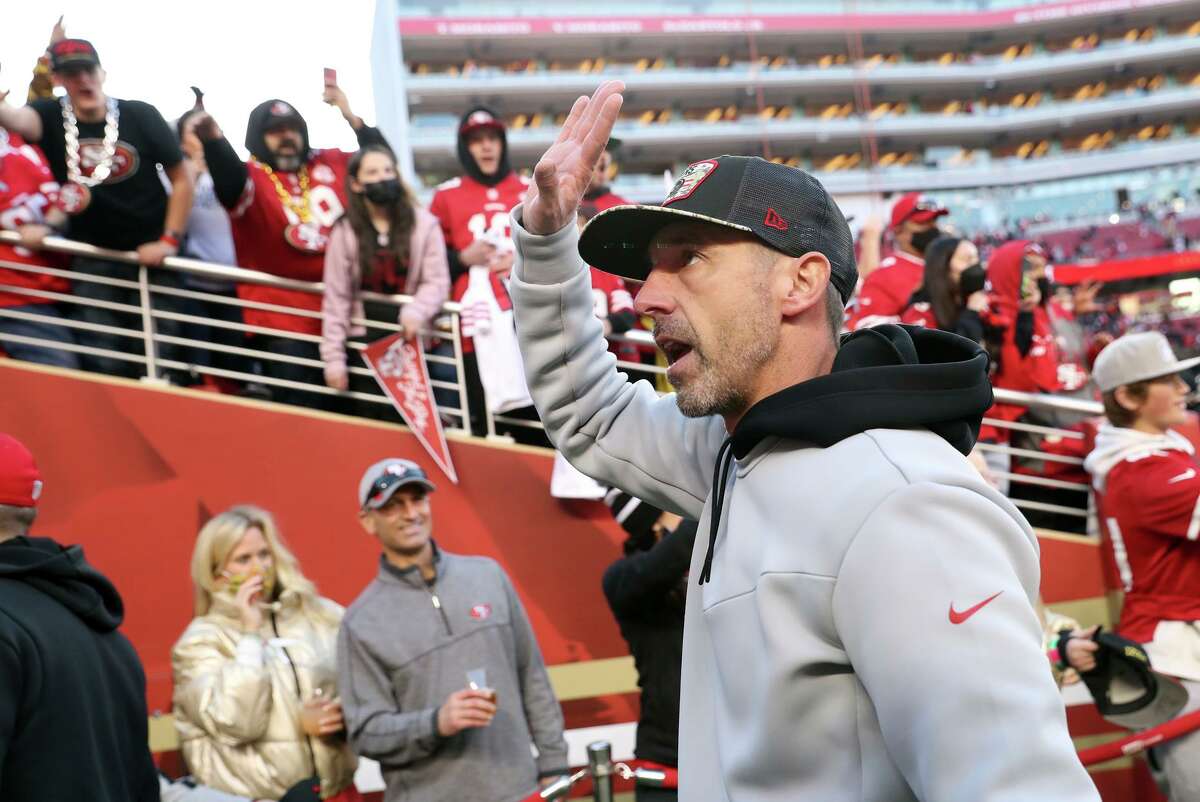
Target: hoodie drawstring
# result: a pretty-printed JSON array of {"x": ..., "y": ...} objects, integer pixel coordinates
[{"x": 720, "y": 479}]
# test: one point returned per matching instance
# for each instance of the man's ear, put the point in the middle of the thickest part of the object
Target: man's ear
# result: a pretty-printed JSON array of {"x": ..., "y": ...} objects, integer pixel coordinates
[
  {"x": 367, "y": 521},
  {"x": 807, "y": 280}
]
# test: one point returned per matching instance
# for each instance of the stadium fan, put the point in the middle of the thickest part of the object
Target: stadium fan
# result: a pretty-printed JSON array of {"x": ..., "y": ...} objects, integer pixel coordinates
[
  {"x": 1022, "y": 345},
  {"x": 209, "y": 239},
  {"x": 886, "y": 291},
  {"x": 473, "y": 208},
  {"x": 599, "y": 194},
  {"x": 27, "y": 195},
  {"x": 385, "y": 243},
  {"x": 283, "y": 203},
  {"x": 614, "y": 304},
  {"x": 73, "y": 719},
  {"x": 103, "y": 152},
  {"x": 1147, "y": 483},
  {"x": 443, "y": 679},
  {"x": 952, "y": 295},
  {"x": 256, "y": 703}
]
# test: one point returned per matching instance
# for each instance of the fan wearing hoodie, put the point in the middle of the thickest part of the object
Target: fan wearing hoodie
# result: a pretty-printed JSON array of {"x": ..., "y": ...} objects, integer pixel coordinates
[
  {"x": 1147, "y": 483},
  {"x": 282, "y": 205},
  {"x": 1025, "y": 355},
  {"x": 474, "y": 207},
  {"x": 859, "y": 621},
  {"x": 73, "y": 722}
]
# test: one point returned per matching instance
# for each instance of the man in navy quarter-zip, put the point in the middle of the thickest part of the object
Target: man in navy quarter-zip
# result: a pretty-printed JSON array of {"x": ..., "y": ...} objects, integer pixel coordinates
[{"x": 441, "y": 677}]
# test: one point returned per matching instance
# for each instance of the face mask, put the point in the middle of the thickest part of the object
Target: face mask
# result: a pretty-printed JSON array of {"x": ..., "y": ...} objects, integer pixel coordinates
[
  {"x": 922, "y": 239},
  {"x": 385, "y": 192},
  {"x": 1043, "y": 285},
  {"x": 972, "y": 280}
]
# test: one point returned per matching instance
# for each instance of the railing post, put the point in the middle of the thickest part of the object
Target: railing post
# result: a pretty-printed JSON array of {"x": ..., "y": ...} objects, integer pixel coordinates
[
  {"x": 600, "y": 767},
  {"x": 460, "y": 369},
  {"x": 147, "y": 322}
]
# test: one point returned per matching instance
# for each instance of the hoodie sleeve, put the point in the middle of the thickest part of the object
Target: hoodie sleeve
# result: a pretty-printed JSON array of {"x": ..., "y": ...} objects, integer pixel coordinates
[
  {"x": 933, "y": 605},
  {"x": 228, "y": 172},
  {"x": 370, "y": 135},
  {"x": 227, "y": 696},
  {"x": 376, "y": 727},
  {"x": 542, "y": 709},
  {"x": 617, "y": 432}
]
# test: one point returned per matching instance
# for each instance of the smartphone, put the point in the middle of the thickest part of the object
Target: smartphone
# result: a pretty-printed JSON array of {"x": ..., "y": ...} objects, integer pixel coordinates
[{"x": 330, "y": 76}]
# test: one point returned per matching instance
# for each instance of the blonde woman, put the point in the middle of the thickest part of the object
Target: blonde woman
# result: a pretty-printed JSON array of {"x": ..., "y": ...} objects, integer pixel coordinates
[{"x": 255, "y": 699}]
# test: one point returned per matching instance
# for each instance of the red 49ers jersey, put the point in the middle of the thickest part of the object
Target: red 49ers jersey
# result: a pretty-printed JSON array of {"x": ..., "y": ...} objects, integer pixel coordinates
[
  {"x": 1150, "y": 511},
  {"x": 469, "y": 210},
  {"x": 271, "y": 237},
  {"x": 27, "y": 189},
  {"x": 609, "y": 294}
]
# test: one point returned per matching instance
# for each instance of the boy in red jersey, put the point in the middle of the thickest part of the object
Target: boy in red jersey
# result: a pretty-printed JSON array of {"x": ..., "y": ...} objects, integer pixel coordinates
[
  {"x": 1147, "y": 483},
  {"x": 474, "y": 207},
  {"x": 282, "y": 204}
]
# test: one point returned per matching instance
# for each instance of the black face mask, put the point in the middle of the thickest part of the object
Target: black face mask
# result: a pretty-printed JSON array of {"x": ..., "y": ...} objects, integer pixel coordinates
[
  {"x": 972, "y": 280},
  {"x": 1044, "y": 288},
  {"x": 922, "y": 239},
  {"x": 385, "y": 192}
]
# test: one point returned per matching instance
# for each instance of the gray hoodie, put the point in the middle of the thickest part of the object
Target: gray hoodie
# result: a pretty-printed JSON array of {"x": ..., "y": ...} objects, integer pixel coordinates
[
  {"x": 867, "y": 629},
  {"x": 400, "y": 656}
]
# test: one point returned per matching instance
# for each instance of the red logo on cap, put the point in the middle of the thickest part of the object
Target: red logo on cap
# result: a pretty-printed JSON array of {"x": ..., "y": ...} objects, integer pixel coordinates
[{"x": 773, "y": 220}]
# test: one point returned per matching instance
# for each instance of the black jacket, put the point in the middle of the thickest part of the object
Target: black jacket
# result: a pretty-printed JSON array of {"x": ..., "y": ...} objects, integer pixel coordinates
[
  {"x": 72, "y": 692},
  {"x": 645, "y": 591}
]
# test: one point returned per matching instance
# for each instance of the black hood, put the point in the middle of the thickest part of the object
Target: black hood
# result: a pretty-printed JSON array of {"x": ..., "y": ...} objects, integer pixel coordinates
[
  {"x": 62, "y": 573},
  {"x": 886, "y": 377},
  {"x": 266, "y": 114},
  {"x": 468, "y": 161}
]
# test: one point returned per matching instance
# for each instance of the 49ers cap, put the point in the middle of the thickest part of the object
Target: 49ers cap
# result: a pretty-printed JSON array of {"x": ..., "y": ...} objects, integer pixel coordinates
[{"x": 786, "y": 208}]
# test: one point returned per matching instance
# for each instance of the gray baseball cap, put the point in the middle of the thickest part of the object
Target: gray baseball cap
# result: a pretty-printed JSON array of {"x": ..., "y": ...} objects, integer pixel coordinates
[
  {"x": 1135, "y": 358},
  {"x": 381, "y": 481}
]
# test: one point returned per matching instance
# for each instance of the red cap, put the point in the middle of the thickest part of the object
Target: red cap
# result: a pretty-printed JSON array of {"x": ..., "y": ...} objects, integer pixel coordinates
[
  {"x": 480, "y": 118},
  {"x": 913, "y": 206},
  {"x": 20, "y": 481}
]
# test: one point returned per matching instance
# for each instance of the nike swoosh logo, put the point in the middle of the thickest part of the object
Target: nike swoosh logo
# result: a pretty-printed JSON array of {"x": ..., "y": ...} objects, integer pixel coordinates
[
  {"x": 1190, "y": 473},
  {"x": 957, "y": 617}
]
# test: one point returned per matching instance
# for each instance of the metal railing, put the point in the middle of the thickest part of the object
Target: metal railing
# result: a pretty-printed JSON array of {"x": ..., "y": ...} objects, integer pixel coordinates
[{"x": 148, "y": 298}]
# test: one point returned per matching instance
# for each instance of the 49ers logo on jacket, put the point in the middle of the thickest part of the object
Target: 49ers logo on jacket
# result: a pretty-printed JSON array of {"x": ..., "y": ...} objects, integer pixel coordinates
[
  {"x": 481, "y": 612},
  {"x": 125, "y": 159}
]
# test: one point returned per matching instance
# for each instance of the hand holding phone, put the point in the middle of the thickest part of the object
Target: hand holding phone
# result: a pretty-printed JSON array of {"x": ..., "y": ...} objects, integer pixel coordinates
[{"x": 330, "y": 76}]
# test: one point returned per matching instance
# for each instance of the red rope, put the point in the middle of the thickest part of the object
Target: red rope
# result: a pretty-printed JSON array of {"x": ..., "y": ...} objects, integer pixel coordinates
[{"x": 1141, "y": 741}]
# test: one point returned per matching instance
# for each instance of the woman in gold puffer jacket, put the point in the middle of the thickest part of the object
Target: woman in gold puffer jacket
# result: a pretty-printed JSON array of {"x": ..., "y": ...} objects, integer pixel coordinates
[{"x": 255, "y": 698}]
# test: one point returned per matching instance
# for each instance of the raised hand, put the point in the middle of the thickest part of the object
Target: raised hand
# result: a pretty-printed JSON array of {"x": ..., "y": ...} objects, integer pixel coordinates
[{"x": 564, "y": 171}]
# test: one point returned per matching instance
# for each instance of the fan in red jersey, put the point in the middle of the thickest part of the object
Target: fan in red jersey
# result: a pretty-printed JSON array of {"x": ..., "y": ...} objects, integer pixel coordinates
[
  {"x": 885, "y": 292},
  {"x": 473, "y": 208},
  {"x": 282, "y": 204},
  {"x": 27, "y": 195},
  {"x": 599, "y": 194}
]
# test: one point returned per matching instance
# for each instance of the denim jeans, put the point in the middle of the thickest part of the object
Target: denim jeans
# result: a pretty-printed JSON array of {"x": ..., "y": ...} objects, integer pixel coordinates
[{"x": 47, "y": 330}]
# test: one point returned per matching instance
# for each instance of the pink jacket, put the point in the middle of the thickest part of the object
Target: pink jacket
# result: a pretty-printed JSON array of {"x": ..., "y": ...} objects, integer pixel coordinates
[{"x": 428, "y": 282}]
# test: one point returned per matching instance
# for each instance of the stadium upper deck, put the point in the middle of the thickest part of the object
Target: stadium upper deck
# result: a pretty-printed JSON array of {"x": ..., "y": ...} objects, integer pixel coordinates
[{"x": 891, "y": 97}]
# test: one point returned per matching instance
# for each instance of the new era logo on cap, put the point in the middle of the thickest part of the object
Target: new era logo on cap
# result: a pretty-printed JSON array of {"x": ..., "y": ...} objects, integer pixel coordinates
[{"x": 773, "y": 220}]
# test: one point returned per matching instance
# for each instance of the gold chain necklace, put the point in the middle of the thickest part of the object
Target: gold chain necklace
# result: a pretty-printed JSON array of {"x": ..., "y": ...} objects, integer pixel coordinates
[{"x": 299, "y": 206}]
